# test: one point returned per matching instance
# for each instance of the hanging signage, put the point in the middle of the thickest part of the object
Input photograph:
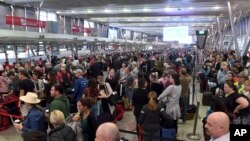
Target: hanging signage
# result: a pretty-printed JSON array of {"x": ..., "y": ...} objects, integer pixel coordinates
[
  {"x": 80, "y": 29},
  {"x": 201, "y": 38},
  {"x": 12, "y": 20}
]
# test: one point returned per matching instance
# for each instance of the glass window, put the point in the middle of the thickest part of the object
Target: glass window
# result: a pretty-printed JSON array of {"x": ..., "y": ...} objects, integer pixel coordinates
[
  {"x": 43, "y": 15},
  {"x": 52, "y": 16}
]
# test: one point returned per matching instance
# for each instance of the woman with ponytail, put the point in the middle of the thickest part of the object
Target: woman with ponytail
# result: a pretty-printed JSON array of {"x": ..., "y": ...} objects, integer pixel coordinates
[{"x": 150, "y": 118}]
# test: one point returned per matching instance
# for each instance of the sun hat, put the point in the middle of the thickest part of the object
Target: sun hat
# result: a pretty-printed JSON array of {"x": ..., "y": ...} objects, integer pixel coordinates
[{"x": 30, "y": 98}]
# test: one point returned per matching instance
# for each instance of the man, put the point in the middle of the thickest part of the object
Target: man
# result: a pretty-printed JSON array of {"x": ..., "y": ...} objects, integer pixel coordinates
[
  {"x": 185, "y": 81},
  {"x": 80, "y": 84},
  {"x": 25, "y": 85},
  {"x": 217, "y": 126},
  {"x": 60, "y": 101},
  {"x": 112, "y": 134},
  {"x": 139, "y": 99}
]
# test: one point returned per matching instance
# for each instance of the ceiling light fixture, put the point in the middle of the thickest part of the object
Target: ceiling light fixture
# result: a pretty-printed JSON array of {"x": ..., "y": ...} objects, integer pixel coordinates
[
  {"x": 90, "y": 11},
  {"x": 126, "y": 10},
  {"x": 216, "y": 7},
  {"x": 146, "y": 9},
  {"x": 167, "y": 9},
  {"x": 107, "y": 11},
  {"x": 191, "y": 8}
]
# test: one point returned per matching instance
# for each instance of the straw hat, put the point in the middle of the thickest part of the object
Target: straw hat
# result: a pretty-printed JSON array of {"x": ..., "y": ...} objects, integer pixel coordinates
[{"x": 30, "y": 98}]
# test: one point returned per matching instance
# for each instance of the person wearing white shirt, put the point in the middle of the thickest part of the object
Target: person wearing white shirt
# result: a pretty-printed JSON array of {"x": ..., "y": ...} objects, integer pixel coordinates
[{"x": 217, "y": 126}]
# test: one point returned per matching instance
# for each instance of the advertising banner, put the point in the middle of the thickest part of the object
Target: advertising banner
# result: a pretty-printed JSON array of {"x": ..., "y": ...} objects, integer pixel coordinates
[{"x": 19, "y": 21}]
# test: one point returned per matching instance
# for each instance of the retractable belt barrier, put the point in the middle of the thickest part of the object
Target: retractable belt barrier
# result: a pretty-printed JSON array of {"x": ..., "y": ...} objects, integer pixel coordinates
[{"x": 153, "y": 136}]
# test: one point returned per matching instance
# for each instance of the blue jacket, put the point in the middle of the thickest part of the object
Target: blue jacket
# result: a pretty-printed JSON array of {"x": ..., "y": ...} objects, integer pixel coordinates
[
  {"x": 34, "y": 121},
  {"x": 80, "y": 85}
]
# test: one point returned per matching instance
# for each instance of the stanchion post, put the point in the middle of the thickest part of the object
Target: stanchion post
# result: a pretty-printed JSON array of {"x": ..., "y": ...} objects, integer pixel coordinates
[{"x": 194, "y": 136}]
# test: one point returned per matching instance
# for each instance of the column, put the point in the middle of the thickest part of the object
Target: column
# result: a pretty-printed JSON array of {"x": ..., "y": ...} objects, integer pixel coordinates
[{"x": 232, "y": 28}]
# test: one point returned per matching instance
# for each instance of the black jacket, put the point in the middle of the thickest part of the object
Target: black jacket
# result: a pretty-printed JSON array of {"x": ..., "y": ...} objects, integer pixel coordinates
[
  {"x": 62, "y": 133},
  {"x": 140, "y": 98}
]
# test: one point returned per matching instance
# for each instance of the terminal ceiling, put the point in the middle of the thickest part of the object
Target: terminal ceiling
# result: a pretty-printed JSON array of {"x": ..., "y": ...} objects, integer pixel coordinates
[{"x": 149, "y": 16}]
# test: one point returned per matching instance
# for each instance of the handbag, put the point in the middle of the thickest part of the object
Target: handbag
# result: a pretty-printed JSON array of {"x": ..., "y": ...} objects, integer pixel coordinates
[
  {"x": 112, "y": 99},
  {"x": 76, "y": 126},
  {"x": 166, "y": 120}
]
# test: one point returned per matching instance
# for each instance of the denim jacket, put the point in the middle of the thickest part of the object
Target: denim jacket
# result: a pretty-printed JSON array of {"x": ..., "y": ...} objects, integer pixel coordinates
[{"x": 34, "y": 121}]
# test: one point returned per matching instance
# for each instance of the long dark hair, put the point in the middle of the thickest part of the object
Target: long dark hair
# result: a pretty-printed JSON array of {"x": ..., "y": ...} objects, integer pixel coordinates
[
  {"x": 52, "y": 77},
  {"x": 176, "y": 78}
]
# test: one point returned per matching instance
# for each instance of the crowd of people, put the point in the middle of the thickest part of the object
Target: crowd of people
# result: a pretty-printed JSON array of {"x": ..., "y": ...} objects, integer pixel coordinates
[{"x": 154, "y": 84}]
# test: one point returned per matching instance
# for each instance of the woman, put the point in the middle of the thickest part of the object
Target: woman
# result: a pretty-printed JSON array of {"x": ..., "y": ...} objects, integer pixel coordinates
[
  {"x": 171, "y": 97},
  {"x": 237, "y": 105},
  {"x": 35, "y": 119},
  {"x": 123, "y": 73},
  {"x": 86, "y": 118},
  {"x": 150, "y": 118},
  {"x": 39, "y": 84},
  {"x": 112, "y": 79},
  {"x": 93, "y": 92},
  {"x": 107, "y": 90},
  {"x": 60, "y": 131},
  {"x": 154, "y": 84}
]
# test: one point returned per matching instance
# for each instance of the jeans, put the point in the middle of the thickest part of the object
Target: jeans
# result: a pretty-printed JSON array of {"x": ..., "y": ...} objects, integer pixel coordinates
[
  {"x": 97, "y": 108},
  {"x": 184, "y": 106}
]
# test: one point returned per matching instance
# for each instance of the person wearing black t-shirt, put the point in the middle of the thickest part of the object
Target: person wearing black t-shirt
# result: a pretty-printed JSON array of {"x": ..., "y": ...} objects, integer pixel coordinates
[
  {"x": 25, "y": 84},
  {"x": 236, "y": 104},
  {"x": 140, "y": 98}
]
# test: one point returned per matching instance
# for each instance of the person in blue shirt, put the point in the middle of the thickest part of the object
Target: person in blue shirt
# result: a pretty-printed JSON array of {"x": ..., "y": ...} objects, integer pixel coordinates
[
  {"x": 35, "y": 120},
  {"x": 80, "y": 84}
]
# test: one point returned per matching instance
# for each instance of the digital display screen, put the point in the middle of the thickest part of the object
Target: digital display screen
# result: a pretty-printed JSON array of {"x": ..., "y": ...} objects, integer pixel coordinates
[{"x": 177, "y": 33}]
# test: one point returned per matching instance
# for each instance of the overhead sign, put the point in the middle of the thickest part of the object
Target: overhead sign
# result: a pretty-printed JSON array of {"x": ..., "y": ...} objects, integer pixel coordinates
[
  {"x": 201, "y": 38},
  {"x": 20, "y": 21},
  {"x": 80, "y": 29}
]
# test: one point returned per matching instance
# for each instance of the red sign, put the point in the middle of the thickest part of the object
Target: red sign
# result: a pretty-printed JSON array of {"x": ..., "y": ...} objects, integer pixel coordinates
[
  {"x": 12, "y": 20},
  {"x": 80, "y": 29}
]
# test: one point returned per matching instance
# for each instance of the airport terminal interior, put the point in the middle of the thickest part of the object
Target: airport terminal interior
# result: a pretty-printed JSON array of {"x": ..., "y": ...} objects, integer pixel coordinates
[{"x": 148, "y": 70}]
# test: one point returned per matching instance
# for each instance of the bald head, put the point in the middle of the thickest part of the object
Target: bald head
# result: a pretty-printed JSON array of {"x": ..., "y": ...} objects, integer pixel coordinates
[
  {"x": 220, "y": 118},
  {"x": 108, "y": 131},
  {"x": 217, "y": 124}
]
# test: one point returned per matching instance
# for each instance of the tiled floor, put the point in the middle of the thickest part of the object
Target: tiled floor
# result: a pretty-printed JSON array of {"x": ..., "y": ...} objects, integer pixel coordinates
[{"x": 128, "y": 123}]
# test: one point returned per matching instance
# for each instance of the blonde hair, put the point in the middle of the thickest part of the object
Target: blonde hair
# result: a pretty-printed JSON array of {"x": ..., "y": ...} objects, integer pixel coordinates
[
  {"x": 152, "y": 102},
  {"x": 57, "y": 118},
  {"x": 247, "y": 82},
  {"x": 224, "y": 64}
]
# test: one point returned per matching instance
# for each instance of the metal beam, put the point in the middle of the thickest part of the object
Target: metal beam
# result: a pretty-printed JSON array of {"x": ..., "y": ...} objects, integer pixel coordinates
[{"x": 232, "y": 28}]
